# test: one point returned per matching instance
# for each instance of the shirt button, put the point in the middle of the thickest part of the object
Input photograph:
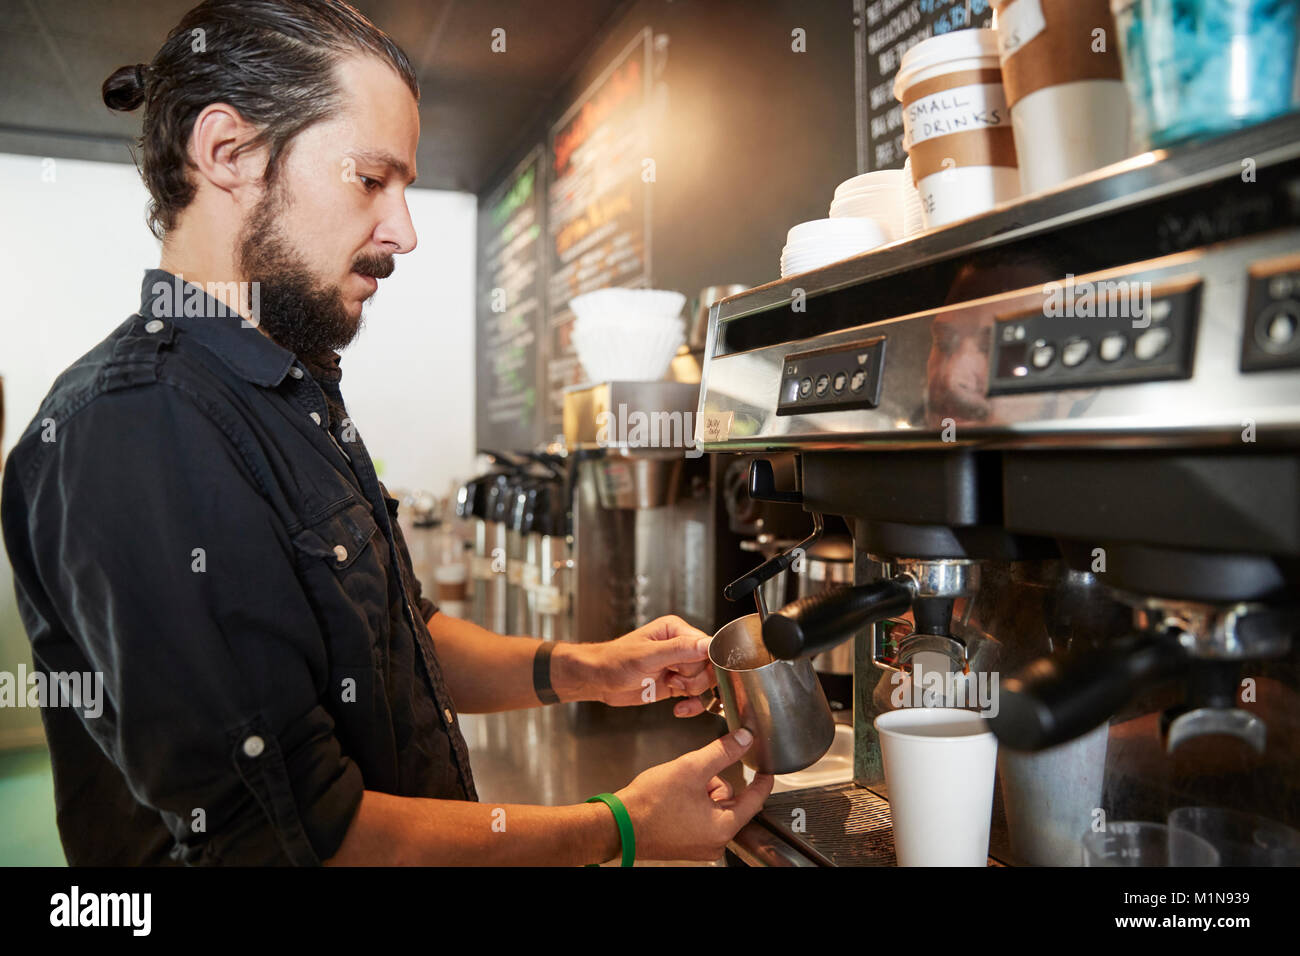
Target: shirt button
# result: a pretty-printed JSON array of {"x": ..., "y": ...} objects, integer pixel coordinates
[
  {"x": 295, "y": 372},
  {"x": 446, "y": 712},
  {"x": 254, "y": 746},
  {"x": 315, "y": 416},
  {"x": 341, "y": 553},
  {"x": 153, "y": 325}
]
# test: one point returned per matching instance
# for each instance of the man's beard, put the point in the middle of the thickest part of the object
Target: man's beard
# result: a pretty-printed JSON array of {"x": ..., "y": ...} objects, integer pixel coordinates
[{"x": 299, "y": 313}]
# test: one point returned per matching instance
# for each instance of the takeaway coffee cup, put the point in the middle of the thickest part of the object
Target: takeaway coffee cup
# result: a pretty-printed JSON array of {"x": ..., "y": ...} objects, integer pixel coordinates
[
  {"x": 781, "y": 702},
  {"x": 939, "y": 767},
  {"x": 1062, "y": 74},
  {"x": 956, "y": 125},
  {"x": 1051, "y": 798}
]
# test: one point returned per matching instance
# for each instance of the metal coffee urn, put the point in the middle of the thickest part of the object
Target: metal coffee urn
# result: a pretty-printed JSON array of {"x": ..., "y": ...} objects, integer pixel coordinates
[{"x": 650, "y": 536}]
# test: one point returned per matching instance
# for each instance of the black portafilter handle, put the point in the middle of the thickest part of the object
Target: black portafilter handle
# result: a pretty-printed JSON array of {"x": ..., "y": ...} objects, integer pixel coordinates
[
  {"x": 1056, "y": 699},
  {"x": 819, "y": 622}
]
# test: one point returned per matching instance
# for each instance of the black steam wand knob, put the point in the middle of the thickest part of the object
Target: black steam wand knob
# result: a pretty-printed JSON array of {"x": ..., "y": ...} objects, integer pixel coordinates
[{"x": 762, "y": 484}]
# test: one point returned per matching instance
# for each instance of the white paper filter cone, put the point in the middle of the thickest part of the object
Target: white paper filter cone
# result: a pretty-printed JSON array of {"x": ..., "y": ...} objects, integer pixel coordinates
[
  {"x": 940, "y": 763},
  {"x": 627, "y": 334}
]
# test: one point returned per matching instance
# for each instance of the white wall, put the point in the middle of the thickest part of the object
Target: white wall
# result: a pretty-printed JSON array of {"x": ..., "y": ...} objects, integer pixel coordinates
[
  {"x": 409, "y": 377},
  {"x": 74, "y": 247}
]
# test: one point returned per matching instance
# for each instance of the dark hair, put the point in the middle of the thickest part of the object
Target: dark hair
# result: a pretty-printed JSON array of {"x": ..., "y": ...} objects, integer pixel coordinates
[{"x": 272, "y": 60}]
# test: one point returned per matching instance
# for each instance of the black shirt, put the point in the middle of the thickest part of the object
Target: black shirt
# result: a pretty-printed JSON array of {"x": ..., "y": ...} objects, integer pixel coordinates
[{"x": 192, "y": 515}]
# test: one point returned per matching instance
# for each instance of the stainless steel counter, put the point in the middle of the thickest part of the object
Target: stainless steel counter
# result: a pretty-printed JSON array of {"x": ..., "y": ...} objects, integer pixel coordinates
[{"x": 565, "y": 753}]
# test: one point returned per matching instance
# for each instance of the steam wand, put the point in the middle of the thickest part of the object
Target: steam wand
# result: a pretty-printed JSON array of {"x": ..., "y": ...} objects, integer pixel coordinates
[{"x": 762, "y": 487}]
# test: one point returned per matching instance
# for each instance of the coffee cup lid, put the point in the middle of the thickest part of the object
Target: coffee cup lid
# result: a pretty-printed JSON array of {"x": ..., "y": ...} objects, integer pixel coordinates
[{"x": 943, "y": 48}]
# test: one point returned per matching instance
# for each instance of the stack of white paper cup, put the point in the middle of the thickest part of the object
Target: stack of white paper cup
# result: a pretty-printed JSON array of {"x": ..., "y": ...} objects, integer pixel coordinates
[
  {"x": 1064, "y": 84},
  {"x": 956, "y": 125},
  {"x": 876, "y": 196},
  {"x": 939, "y": 767},
  {"x": 913, "y": 217},
  {"x": 811, "y": 245}
]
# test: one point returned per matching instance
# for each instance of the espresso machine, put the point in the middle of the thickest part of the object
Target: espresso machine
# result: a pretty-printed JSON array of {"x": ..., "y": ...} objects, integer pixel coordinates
[{"x": 1065, "y": 437}]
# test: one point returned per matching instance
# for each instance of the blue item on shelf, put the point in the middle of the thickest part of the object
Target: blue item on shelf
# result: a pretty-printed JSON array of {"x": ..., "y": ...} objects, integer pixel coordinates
[{"x": 1203, "y": 67}]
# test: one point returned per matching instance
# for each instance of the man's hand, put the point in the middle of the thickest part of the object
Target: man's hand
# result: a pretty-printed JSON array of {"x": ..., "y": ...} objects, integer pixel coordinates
[
  {"x": 665, "y": 658},
  {"x": 682, "y": 810}
]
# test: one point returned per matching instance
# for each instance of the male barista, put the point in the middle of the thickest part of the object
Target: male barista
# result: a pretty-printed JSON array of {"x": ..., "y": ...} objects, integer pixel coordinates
[{"x": 192, "y": 515}]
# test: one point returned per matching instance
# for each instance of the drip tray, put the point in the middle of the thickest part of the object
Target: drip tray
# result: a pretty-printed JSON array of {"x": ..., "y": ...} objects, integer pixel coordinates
[{"x": 843, "y": 824}]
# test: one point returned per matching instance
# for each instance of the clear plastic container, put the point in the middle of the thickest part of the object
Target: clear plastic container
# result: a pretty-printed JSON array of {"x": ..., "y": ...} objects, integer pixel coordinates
[
  {"x": 1202, "y": 67},
  {"x": 1146, "y": 844},
  {"x": 1242, "y": 839}
]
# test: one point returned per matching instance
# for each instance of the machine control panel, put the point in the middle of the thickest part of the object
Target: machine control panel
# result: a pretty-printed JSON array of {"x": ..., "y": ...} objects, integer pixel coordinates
[
  {"x": 1271, "y": 338},
  {"x": 832, "y": 379},
  {"x": 1114, "y": 333}
]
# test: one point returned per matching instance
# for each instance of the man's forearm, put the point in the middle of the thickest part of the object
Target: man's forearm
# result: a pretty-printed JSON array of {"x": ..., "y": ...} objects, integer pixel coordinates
[
  {"x": 395, "y": 831},
  {"x": 488, "y": 672}
]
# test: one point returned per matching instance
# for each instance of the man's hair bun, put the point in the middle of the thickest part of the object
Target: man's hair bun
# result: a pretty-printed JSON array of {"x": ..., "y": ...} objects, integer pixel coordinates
[{"x": 124, "y": 90}]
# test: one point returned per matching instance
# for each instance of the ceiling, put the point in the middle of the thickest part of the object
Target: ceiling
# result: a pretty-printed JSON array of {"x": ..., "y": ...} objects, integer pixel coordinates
[{"x": 475, "y": 105}]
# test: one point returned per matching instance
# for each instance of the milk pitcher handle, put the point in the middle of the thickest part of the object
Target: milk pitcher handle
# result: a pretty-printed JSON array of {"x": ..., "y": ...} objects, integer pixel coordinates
[{"x": 713, "y": 703}]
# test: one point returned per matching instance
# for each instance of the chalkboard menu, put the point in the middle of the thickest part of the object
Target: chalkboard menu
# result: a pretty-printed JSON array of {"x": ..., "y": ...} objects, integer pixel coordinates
[
  {"x": 598, "y": 215},
  {"x": 886, "y": 30},
  {"x": 508, "y": 413}
]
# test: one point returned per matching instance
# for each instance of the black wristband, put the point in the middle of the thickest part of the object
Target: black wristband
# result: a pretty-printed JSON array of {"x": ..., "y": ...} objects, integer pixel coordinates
[{"x": 542, "y": 674}]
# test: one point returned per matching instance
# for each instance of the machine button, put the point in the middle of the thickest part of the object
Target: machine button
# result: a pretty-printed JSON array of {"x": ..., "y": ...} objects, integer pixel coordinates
[
  {"x": 1074, "y": 352},
  {"x": 1112, "y": 347},
  {"x": 1276, "y": 330},
  {"x": 1043, "y": 353},
  {"x": 805, "y": 388},
  {"x": 1151, "y": 343},
  {"x": 823, "y": 383},
  {"x": 840, "y": 381},
  {"x": 858, "y": 380}
]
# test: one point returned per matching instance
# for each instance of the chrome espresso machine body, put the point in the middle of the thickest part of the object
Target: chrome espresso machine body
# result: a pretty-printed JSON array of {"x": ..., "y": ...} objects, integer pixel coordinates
[{"x": 1066, "y": 439}]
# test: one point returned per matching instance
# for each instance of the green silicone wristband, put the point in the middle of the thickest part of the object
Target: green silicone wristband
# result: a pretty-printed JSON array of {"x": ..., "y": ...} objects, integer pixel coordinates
[{"x": 624, "y": 821}]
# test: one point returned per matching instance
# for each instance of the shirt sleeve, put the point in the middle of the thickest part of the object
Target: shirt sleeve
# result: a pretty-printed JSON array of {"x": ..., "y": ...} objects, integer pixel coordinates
[{"x": 157, "y": 551}]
